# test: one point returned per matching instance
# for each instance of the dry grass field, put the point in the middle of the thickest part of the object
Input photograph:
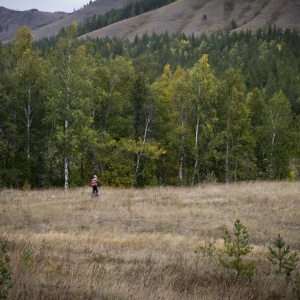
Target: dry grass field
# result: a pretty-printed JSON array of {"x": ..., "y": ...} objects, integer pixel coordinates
[{"x": 145, "y": 243}]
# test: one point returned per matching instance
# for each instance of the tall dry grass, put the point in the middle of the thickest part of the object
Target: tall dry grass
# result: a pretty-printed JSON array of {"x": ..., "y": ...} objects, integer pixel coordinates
[{"x": 144, "y": 243}]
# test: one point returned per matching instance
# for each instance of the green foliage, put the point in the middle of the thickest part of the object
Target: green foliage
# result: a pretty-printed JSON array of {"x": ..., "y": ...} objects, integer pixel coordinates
[
  {"x": 235, "y": 117},
  {"x": 5, "y": 271},
  {"x": 26, "y": 186},
  {"x": 292, "y": 176},
  {"x": 236, "y": 246},
  {"x": 27, "y": 258},
  {"x": 281, "y": 257},
  {"x": 275, "y": 135},
  {"x": 296, "y": 286},
  {"x": 209, "y": 249}
]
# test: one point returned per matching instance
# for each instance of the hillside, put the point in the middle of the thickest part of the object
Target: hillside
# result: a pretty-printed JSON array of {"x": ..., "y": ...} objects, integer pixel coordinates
[
  {"x": 188, "y": 16},
  {"x": 194, "y": 16},
  {"x": 98, "y": 7},
  {"x": 47, "y": 24},
  {"x": 11, "y": 20}
]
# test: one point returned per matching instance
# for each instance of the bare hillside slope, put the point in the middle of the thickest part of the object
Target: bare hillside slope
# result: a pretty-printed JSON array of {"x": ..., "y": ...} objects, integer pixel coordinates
[
  {"x": 188, "y": 16},
  {"x": 199, "y": 16},
  {"x": 11, "y": 20},
  {"x": 99, "y": 7},
  {"x": 45, "y": 24}
]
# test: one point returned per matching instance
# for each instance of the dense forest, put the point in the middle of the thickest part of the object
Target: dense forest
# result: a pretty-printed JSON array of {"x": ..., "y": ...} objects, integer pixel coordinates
[{"x": 158, "y": 110}]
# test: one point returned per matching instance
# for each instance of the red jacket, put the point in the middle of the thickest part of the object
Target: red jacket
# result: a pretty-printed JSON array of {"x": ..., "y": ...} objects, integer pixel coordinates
[{"x": 94, "y": 182}]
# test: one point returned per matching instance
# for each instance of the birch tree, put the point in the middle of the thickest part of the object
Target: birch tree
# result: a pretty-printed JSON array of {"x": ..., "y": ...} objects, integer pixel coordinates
[
  {"x": 69, "y": 101},
  {"x": 114, "y": 79},
  {"x": 276, "y": 129},
  {"x": 25, "y": 81},
  {"x": 143, "y": 114},
  {"x": 175, "y": 111},
  {"x": 203, "y": 93},
  {"x": 234, "y": 131}
]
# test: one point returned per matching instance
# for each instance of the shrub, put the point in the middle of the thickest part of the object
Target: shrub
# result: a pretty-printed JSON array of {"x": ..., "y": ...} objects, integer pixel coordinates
[
  {"x": 5, "y": 272},
  {"x": 209, "y": 248}
]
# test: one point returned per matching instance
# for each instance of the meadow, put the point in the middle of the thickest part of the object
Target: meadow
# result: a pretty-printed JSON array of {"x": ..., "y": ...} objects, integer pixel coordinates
[{"x": 146, "y": 243}]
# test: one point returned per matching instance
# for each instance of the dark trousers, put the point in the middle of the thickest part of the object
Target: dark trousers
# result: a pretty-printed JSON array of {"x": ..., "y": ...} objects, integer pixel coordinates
[{"x": 95, "y": 190}]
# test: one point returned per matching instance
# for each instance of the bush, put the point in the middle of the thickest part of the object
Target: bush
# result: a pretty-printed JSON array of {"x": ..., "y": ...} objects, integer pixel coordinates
[{"x": 5, "y": 272}]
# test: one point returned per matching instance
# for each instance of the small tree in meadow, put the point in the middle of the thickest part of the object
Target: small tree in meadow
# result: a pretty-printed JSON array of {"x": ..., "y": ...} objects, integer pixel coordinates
[
  {"x": 281, "y": 257},
  {"x": 236, "y": 247}
]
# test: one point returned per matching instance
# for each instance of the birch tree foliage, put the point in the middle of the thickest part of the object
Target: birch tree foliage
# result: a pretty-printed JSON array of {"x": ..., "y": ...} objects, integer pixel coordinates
[
  {"x": 69, "y": 104},
  {"x": 8, "y": 143},
  {"x": 28, "y": 79},
  {"x": 181, "y": 108},
  {"x": 175, "y": 100},
  {"x": 234, "y": 131},
  {"x": 22, "y": 42},
  {"x": 119, "y": 169},
  {"x": 114, "y": 79},
  {"x": 203, "y": 87},
  {"x": 143, "y": 115},
  {"x": 163, "y": 92},
  {"x": 277, "y": 134},
  {"x": 24, "y": 79}
]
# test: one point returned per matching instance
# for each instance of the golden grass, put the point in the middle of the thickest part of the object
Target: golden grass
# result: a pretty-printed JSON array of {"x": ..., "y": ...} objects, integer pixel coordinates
[{"x": 144, "y": 243}]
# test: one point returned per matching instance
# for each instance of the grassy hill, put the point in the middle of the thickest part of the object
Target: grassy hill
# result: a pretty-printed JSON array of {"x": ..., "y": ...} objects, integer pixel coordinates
[
  {"x": 11, "y": 20},
  {"x": 44, "y": 24},
  {"x": 194, "y": 16},
  {"x": 188, "y": 16}
]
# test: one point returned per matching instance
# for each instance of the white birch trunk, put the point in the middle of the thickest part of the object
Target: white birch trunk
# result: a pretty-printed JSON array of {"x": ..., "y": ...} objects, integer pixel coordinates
[
  {"x": 66, "y": 172},
  {"x": 148, "y": 119},
  {"x": 180, "y": 175},
  {"x": 227, "y": 161},
  {"x": 28, "y": 121},
  {"x": 196, "y": 136},
  {"x": 272, "y": 153},
  {"x": 196, "y": 147},
  {"x": 66, "y": 159}
]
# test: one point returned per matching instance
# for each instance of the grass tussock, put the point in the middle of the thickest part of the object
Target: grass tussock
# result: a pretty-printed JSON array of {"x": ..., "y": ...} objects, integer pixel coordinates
[{"x": 145, "y": 243}]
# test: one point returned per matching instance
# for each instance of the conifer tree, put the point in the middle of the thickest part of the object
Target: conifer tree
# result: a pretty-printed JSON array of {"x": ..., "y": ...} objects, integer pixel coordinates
[
  {"x": 236, "y": 247},
  {"x": 281, "y": 257}
]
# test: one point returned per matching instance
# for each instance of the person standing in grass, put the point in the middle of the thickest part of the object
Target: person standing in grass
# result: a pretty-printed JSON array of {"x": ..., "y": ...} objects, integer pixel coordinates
[{"x": 94, "y": 184}]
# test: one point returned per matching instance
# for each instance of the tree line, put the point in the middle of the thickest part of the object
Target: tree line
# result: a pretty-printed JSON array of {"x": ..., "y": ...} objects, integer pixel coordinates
[{"x": 158, "y": 110}]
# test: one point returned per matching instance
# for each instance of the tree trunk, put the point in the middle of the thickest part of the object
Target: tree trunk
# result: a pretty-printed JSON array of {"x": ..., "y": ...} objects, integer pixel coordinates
[
  {"x": 196, "y": 150},
  {"x": 180, "y": 175},
  {"x": 66, "y": 160},
  {"x": 148, "y": 119},
  {"x": 272, "y": 173},
  {"x": 66, "y": 172},
  {"x": 28, "y": 111},
  {"x": 227, "y": 161}
]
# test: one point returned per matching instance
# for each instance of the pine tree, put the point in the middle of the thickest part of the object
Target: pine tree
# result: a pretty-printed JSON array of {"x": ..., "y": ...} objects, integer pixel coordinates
[
  {"x": 237, "y": 246},
  {"x": 282, "y": 257}
]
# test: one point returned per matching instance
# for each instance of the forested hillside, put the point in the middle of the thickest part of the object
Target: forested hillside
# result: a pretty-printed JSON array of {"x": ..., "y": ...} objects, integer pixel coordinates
[{"x": 160, "y": 110}]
